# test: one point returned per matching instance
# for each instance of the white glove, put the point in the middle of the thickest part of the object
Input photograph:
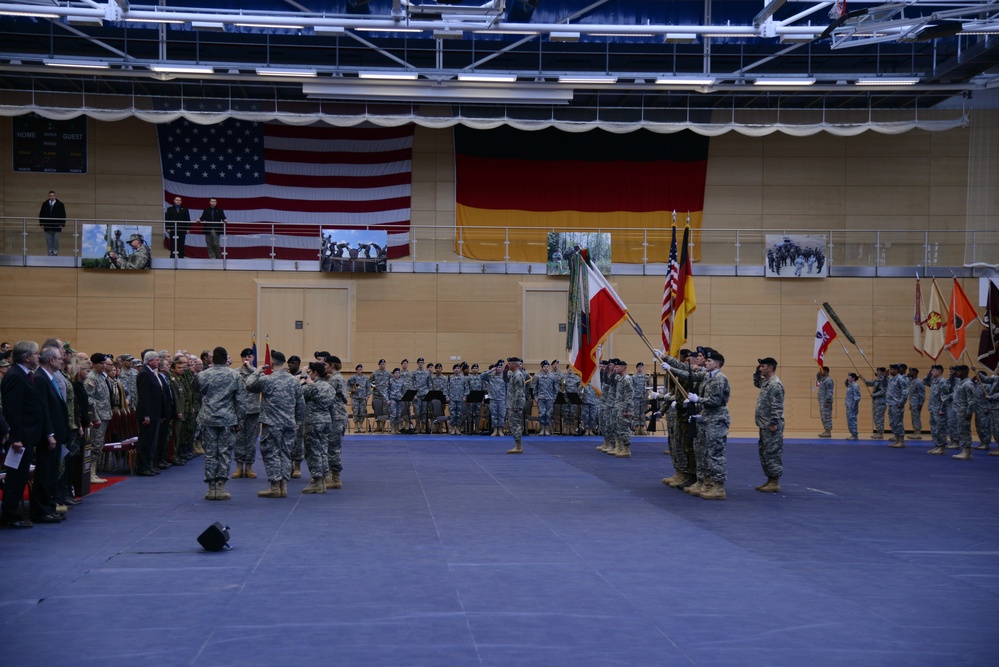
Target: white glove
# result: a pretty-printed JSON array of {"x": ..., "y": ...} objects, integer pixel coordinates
[
  {"x": 696, "y": 418},
  {"x": 673, "y": 405},
  {"x": 659, "y": 354},
  {"x": 692, "y": 397},
  {"x": 665, "y": 366}
]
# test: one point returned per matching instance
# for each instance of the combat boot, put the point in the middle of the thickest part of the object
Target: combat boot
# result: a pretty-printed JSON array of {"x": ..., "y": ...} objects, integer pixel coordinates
[
  {"x": 284, "y": 488},
  {"x": 916, "y": 435},
  {"x": 994, "y": 453},
  {"x": 316, "y": 486},
  {"x": 296, "y": 469},
  {"x": 898, "y": 443},
  {"x": 879, "y": 434},
  {"x": 238, "y": 472},
  {"x": 273, "y": 491},
  {"x": 623, "y": 452},
  {"x": 938, "y": 451},
  {"x": 199, "y": 449},
  {"x": 714, "y": 491},
  {"x": 965, "y": 454},
  {"x": 328, "y": 480},
  {"x": 982, "y": 447},
  {"x": 212, "y": 493},
  {"x": 953, "y": 445},
  {"x": 772, "y": 486},
  {"x": 825, "y": 434},
  {"x": 695, "y": 488},
  {"x": 689, "y": 479},
  {"x": 248, "y": 473},
  {"x": 853, "y": 437},
  {"x": 675, "y": 479},
  {"x": 220, "y": 492},
  {"x": 335, "y": 482},
  {"x": 517, "y": 449}
]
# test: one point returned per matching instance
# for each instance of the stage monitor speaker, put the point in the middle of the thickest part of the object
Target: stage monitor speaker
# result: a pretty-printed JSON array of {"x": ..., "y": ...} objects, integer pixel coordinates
[{"x": 215, "y": 537}]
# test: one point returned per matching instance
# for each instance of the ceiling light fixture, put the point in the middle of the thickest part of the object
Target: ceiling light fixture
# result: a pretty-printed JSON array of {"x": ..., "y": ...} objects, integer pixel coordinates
[
  {"x": 680, "y": 38},
  {"x": 685, "y": 81},
  {"x": 587, "y": 79},
  {"x": 780, "y": 81},
  {"x": 37, "y": 15},
  {"x": 487, "y": 78},
  {"x": 165, "y": 21},
  {"x": 388, "y": 29},
  {"x": 286, "y": 71},
  {"x": 448, "y": 34},
  {"x": 389, "y": 76},
  {"x": 85, "y": 64},
  {"x": 208, "y": 26},
  {"x": 329, "y": 30},
  {"x": 564, "y": 37},
  {"x": 270, "y": 25},
  {"x": 885, "y": 81},
  {"x": 182, "y": 69}
]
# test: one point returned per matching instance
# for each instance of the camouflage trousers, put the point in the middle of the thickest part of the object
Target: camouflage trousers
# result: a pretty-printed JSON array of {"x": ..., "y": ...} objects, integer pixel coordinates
[
  {"x": 896, "y": 420},
  {"x": 938, "y": 428},
  {"x": 473, "y": 412},
  {"x": 276, "y": 444},
  {"x": 359, "y": 408},
  {"x": 878, "y": 407},
  {"x": 456, "y": 410},
  {"x": 545, "y": 407},
  {"x": 952, "y": 426},
  {"x": 97, "y": 445},
  {"x": 983, "y": 425},
  {"x": 497, "y": 412},
  {"x": 298, "y": 449},
  {"x": 622, "y": 429},
  {"x": 397, "y": 410},
  {"x": 825, "y": 413},
  {"x": 335, "y": 442},
  {"x": 715, "y": 430},
  {"x": 851, "y": 420},
  {"x": 516, "y": 420},
  {"x": 677, "y": 453},
  {"x": 316, "y": 442},
  {"x": 218, "y": 442},
  {"x": 916, "y": 412},
  {"x": 246, "y": 440},
  {"x": 589, "y": 416},
  {"x": 963, "y": 431},
  {"x": 994, "y": 413},
  {"x": 772, "y": 451}
]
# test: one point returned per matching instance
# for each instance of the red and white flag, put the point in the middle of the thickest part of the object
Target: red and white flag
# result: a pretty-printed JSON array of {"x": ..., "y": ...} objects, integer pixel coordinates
[
  {"x": 824, "y": 334},
  {"x": 669, "y": 293},
  {"x": 595, "y": 312}
]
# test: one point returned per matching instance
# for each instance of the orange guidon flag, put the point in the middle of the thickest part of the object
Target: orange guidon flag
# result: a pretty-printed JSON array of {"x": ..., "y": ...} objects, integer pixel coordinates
[
  {"x": 962, "y": 313},
  {"x": 513, "y": 186}
]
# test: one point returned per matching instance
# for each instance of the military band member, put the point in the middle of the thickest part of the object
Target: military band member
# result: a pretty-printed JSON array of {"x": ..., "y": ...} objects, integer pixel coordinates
[
  {"x": 438, "y": 382},
  {"x": 770, "y": 421},
  {"x": 420, "y": 381},
  {"x": 406, "y": 376},
  {"x": 590, "y": 410},
  {"x": 516, "y": 394},
  {"x": 379, "y": 387},
  {"x": 826, "y": 389},
  {"x": 360, "y": 389},
  {"x": 396, "y": 389},
  {"x": 456, "y": 391},
  {"x": 473, "y": 411}
]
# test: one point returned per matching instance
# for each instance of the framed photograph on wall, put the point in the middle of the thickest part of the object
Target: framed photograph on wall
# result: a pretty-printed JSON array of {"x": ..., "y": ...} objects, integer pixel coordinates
[
  {"x": 116, "y": 247},
  {"x": 796, "y": 256},
  {"x": 562, "y": 244}
]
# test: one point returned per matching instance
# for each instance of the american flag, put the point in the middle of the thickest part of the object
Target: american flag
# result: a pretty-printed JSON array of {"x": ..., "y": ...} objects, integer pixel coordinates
[
  {"x": 669, "y": 293},
  {"x": 299, "y": 179}
]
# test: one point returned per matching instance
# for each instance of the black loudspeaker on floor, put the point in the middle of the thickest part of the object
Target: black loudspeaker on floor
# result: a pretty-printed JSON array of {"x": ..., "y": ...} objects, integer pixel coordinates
[{"x": 215, "y": 537}]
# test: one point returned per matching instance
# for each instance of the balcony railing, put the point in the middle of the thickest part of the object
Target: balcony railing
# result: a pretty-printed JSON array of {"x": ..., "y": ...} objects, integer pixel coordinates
[{"x": 522, "y": 250}]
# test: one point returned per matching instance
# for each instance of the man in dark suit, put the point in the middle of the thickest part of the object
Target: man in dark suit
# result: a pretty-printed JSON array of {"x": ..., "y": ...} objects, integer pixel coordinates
[
  {"x": 47, "y": 456},
  {"x": 29, "y": 424},
  {"x": 167, "y": 414},
  {"x": 148, "y": 412},
  {"x": 213, "y": 218},
  {"x": 180, "y": 222},
  {"x": 52, "y": 218}
]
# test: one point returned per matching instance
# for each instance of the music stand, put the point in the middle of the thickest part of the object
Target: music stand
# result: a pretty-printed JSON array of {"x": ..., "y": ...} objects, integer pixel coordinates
[
  {"x": 576, "y": 401},
  {"x": 407, "y": 398},
  {"x": 476, "y": 396},
  {"x": 431, "y": 414},
  {"x": 560, "y": 401}
]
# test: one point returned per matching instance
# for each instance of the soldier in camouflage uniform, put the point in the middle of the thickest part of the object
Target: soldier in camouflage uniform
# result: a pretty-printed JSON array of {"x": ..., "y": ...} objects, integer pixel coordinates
[
  {"x": 516, "y": 394},
  {"x": 496, "y": 386},
  {"x": 964, "y": 409},
  {"x": 544, "y": 386},
  {"x": 879, "y": 404},
  {"x": 129, "y": 376},
  {"x": 686, "y": 461},
  {"x": 456, "y": 391},
  {"x": 826, "y": 389},
  {"x": 379, "y": 388},
  {"x": 896, "y": 397},
  {"x": 473, "y": 411},
  {"x": 396, "y": 389},
  {"x": 438, "y": 382},
  {"x": 983, "y": 424},
  {"x": 360, "y": 389},
  {"x": 298, "y": 450},
  {"x": 714, "y": 422},
  {"x": 420, "y": 381},
  {"x": 573, "y": 384},
  {"x": 621, "y": 409},
  {"x": 319, "y": 411},
  {"x": 640, "y": 401},
  {"x": 770, "y": 421},
  {"x": 99, "y": 394},
  {"x": 340, "y": 390},
  {"x": 852, "y": 404},
  {"x": 220, "y": 418},
  {"x": 990, "y": 385},
  {"x": 590, "y": 410},
  {"x": 937, "y": 408},
  {"x": 182, "y": 402},
  {"x": 246, "y": 439},
  {"x": 282, "y": 409},
  {"x": 917, "y": 396}
]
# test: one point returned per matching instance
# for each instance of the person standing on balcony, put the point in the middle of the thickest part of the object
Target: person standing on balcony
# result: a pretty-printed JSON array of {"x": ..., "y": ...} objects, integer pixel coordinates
[
  {"x": 52, "y": 218},
  {"x": 213, "y": 218}
]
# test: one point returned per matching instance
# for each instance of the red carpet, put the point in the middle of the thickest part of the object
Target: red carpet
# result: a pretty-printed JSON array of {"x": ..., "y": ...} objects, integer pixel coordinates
[{"x": 111, "y": 481}]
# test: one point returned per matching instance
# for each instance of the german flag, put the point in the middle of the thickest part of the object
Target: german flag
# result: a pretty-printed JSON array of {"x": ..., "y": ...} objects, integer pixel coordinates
[{"x": 516, "y": 186}]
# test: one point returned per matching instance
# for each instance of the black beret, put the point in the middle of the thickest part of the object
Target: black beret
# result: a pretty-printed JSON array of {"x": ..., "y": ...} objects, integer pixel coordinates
[
  {"x": 769, "y": 361},
  {"x": 247, "y": 351},
  {"x": 381, "y": 361},
  {"x": 714, "y": 354},
  {"x": 332, "y": 359},
  {"x": 98, "y": 358},
  {"x": 279, "y": 357}
]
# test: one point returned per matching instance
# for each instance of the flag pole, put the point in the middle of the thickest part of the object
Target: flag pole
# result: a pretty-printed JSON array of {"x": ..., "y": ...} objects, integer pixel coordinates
[
  {"x": 641, "y": 334},
  {"x": 978, "y": 318},
  {"x": 852, "y": 363},
  {"x": 846, "y": 332}
]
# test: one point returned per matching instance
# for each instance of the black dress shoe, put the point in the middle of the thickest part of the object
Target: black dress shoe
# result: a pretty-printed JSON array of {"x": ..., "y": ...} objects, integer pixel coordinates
[
  {"x": 146, "y": 473},
  {"x": 178, "y": 462},
  {"x": 19, "y": 523},
  {"x": 163, "y": 465},
  {"x": 70, "y": 501},
  {"x": 47, "y": 518}
]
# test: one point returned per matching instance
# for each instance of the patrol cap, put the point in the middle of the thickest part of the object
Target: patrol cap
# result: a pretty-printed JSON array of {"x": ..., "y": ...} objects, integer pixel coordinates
[
  {"x": 381, "y": 361},
  {"x": 98, "y": 358},
  {"x": 767, "y": 361},
  {"x": 5, "y": 362},
  {"x": 279, "y": 357},
  {"x": 292, "y": 358},
  {"x": 247, "y": 351},
  {"x": 135, "y": 237},
  {"x": 125, "y": 357}
]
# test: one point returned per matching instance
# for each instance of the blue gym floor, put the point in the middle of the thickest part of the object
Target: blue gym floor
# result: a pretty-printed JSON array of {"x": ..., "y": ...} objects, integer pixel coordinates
[{"x": 446, "y": 551}]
